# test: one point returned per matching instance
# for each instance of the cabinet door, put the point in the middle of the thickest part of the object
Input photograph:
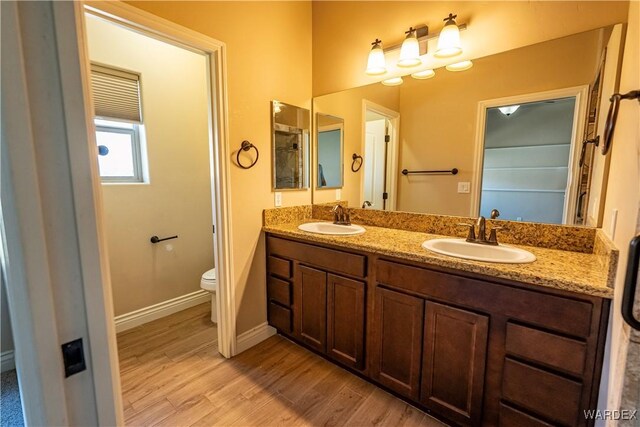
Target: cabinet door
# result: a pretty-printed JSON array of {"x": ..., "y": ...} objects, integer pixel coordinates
[
  {"x": 455, "y": 348},
  {"x": 396, "y": 358},
  {"x": 345, "y": 323},
  {"x": 310, "y": 302}
]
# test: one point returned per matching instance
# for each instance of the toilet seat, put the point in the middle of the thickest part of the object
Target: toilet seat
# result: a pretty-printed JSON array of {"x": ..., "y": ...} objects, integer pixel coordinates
[{"x": 208, "y": 281}]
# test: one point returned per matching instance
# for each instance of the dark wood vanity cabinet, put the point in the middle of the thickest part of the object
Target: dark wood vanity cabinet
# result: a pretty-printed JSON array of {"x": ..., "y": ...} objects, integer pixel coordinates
[{"x": 471, "y": 350}]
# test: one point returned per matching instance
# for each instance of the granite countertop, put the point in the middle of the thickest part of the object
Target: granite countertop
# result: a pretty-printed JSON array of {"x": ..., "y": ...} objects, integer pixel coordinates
[{"x": 557, "y": 269}]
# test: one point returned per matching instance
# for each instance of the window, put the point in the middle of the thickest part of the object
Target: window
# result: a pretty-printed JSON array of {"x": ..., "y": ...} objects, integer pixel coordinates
[
  {"x": 119, "y": 129},
  {"x": 119, "y": 151}
]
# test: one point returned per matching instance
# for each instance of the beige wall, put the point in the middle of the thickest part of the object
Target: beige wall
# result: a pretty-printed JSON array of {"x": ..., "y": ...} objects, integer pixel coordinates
[
  {"x": 348, "y": 106},
  {"x": 623, "y": 194},
  {"x": 438, "y": 116},
  {"x": 268, "y": 57},
  {"x": 177, "y": 200},
  {"x": 343, "y": 31}
]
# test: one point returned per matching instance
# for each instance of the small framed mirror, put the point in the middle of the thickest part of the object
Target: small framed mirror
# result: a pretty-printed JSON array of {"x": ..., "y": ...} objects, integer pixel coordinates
[
  {"x": 290, "y": 145},
  {"x": 329, "y": 151}
]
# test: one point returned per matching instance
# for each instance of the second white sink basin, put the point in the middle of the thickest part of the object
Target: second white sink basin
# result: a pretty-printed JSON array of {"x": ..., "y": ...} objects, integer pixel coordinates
[
  {"x": 330, "y": 228},
  {"x": 460, "y": 248}
]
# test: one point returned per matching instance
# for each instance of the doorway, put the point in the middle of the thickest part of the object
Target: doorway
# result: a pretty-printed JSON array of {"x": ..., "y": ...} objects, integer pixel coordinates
[
  {"x": 380, "y": 131},
  {"x": 526, "y": 171}
]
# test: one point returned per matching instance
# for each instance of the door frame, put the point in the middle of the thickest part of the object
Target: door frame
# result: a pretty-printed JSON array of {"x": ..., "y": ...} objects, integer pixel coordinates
[
  {"x": 577, "y": 132},
  {"x": 392, "y": 150},
  {"x": 33, "y": 314}
]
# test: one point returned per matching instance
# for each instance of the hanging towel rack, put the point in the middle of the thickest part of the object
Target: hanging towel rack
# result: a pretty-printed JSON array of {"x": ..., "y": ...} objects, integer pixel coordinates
[
  {"x": 246, "y": 146},
  {"x": 453, "y": 171}
]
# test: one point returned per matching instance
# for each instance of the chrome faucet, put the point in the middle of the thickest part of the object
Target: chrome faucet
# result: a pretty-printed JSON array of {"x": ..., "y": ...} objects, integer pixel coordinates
[
  {"x": 341, "y": 216},
  {"x": 365, "y": 204},
  {"x": 481, "y": 238}
]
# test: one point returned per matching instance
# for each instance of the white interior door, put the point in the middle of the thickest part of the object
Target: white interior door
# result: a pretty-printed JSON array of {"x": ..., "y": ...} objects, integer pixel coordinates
[{"x": 374, "y": 162}]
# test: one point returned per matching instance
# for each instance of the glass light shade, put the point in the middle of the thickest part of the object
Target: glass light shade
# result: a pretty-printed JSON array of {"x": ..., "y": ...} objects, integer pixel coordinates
[
  {"x": 410, "y": 51},
  {"x": 376, "y": 64},
  {"x": 422, "y": 75},
  {"x": 460, "y": 66},
  {"x": 449, "y": 41},
  {"x": 394, "y": 81},
  {"x": 509, "y": 110}
]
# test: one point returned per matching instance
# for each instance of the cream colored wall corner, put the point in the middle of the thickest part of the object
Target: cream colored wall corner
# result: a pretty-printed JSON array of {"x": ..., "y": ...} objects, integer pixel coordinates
[
  {"x": 177, "y": 200},
  {"x": 623, "y": 195},
  {"x": 268, "y": 57},
  {"x": 343, "y": 31}
]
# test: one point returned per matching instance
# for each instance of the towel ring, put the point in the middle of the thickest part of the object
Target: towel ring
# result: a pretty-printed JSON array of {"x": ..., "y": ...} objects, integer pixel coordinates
[
  {"x": 246, "y": 146},
  {"x": 355, "y": 158},
  {"x": 612, "y": 116}
]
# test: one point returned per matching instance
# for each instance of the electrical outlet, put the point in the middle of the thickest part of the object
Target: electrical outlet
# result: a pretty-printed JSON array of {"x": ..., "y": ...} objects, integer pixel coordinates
[
  {"x": 338, "y": 194},
  {"x": 277, "y": 199},
  {"x": 464, "y": 187}
]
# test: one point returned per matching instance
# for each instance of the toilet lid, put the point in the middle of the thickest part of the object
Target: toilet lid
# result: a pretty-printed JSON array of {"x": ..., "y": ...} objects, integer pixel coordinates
[{"x": 210, "y": 275}]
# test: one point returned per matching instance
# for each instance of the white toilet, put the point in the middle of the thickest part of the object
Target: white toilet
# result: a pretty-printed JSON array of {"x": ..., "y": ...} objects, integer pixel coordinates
[{"x": 209, "y": 284}]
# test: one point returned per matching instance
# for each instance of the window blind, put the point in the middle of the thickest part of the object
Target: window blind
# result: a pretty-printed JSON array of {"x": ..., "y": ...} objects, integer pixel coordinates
[{"x": 116, "y": 94}]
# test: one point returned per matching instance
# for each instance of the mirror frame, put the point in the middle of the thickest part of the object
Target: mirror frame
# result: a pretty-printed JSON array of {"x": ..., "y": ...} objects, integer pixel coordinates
[{"x": 316, "y": 153}]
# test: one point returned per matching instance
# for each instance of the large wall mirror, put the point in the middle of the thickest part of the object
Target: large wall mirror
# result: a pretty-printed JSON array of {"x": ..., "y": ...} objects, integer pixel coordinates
[
  {"x": 290, "y": 146},
  {"x": 329, "y": 151},
  {"x": 506, "y": 134}
]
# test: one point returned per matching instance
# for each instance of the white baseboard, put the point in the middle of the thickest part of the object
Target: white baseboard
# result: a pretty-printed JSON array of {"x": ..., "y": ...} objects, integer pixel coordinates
[
  {"x": 254, "y": 336},
  {"x": 157, "y": 311},
  {"x": 7, "y": 360}
]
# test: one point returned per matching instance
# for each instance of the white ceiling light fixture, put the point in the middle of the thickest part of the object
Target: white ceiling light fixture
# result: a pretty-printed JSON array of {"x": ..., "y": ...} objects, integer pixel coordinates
[
  {"x": 509, "y": 110},
  {"x": 449, "y": 39},
  {"x": 423, "y": 75},
  {"x": 376, "y": 65},
  {"x": 394, "y": 81},
  {"x": 410, "y": 50},
  {"x": 460, "y": 66}
]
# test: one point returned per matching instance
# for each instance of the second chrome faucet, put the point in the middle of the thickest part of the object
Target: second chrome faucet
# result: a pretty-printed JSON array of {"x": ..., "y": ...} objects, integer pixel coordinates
[{"x": 481, "y": 237}]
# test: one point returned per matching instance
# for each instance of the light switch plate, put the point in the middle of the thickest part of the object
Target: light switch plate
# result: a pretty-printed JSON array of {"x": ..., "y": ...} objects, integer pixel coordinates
[
  {"x": 338, "y": 194},
  {"x": 277, "y": 199},
  {"x": 464, "y": 187}
]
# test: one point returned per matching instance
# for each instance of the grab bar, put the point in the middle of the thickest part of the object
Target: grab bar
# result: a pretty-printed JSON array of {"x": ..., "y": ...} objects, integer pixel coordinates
[{"x": 453, "y": 171}]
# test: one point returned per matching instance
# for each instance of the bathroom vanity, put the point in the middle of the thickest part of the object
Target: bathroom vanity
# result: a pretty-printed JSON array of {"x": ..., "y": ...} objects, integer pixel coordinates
[{"x": 472, "y": 343}]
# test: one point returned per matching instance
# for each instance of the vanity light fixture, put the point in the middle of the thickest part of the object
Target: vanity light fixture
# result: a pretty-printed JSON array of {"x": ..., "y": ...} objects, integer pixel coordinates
[
  {"x": 410, "y": 50},
  {"x": 277, "y": 107},
  {"x": 423, "y": 75},
  {"x": 509, "y": 110},
  {"x": 394, "y": 81},
  {"x": 460, "y": 66},
  {"x": 449, "y": 39},
  {"x": 376, "y": 64}
]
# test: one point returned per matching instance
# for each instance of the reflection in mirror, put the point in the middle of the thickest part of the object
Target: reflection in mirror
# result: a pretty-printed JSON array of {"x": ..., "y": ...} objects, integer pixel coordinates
[
  {"x": 441, "y": 125},
  {"x": 526, "y": 170},
  {"x": 290, "y": 144},
  {"x": 329, "y": 151}
]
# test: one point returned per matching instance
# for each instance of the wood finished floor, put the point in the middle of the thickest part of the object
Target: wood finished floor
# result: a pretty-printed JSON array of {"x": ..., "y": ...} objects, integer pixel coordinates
[{"x": 172, "y": 375}]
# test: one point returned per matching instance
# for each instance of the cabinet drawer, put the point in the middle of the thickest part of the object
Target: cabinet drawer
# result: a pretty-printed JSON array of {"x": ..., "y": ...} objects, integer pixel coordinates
[
  {"x": 547, "y": 349},
  {"x": 279, "y": 290},
  {"x": 554, "y": 397},
  {"x": 280, "y": 267},
  {"x": 279, "y": 317},
  {"x": 566, "y": 315},
  {"x": 510, "y": 417},
  {"x": 328, "y": 259}
]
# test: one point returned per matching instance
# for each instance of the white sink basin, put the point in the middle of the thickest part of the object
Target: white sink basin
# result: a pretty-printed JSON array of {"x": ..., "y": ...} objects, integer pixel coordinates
[
  {"x": 460, "y": 248},
  {"x": 330, "y": 228}
]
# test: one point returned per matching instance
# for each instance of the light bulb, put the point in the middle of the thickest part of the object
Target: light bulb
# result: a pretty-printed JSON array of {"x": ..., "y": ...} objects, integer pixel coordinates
[
  {"x": 460, "y": 66},
  {"x": 394, "y": 81},
  {"x": 410, "y": 50},
  {"x": 376, "y": 64},
  {"x": 422, "y": 75},
  {"x": 449, "y": 39},
  {"x": 509, "y": 110}
]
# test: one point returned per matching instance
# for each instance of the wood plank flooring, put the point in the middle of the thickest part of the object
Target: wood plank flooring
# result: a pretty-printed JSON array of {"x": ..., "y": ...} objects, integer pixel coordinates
[{"x": 172, "y": 375}]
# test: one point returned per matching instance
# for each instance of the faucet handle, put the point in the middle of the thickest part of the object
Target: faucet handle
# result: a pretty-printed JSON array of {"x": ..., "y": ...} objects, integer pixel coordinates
[
  {"x": 472, "y": 231},
  {"x": 493, "y": 237}
]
